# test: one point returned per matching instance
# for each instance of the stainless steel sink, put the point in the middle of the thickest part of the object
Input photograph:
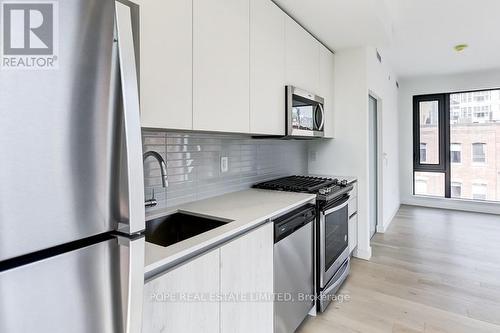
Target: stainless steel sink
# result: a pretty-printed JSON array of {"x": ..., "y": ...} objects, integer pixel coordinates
[{"x": 171, "y": 229}]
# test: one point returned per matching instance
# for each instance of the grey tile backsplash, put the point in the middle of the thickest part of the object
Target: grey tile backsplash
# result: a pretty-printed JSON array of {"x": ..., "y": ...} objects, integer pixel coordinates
[{"x": 193, "y": 164}]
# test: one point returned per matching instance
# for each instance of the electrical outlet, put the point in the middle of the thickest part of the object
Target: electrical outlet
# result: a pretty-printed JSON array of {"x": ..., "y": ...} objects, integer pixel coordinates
[{"x": 224, "y": 164}]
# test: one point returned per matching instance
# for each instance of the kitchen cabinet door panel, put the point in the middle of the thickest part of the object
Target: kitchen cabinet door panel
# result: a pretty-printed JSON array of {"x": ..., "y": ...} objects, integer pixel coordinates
[
  {"x": 221, "y": 65},
  {"x": 246, "y": 270},
  {"x": 195, "y": 278},
  {"x": 267, "y": 68},
  {"x": 302, "y": 57},
  {"x": 326, "y": 90},
  {"x": 166, "y": 64}
]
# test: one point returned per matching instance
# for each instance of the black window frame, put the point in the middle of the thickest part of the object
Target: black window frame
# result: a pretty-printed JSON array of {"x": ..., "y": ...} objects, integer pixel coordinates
[
  {"x": 425, "y": 167},
  {"x": 445, "y": 129},
  {"x": 444, "y": 165}
]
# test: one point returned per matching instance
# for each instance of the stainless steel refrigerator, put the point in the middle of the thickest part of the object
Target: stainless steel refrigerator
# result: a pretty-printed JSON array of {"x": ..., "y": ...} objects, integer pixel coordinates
[{"x": 71, "y": 174}]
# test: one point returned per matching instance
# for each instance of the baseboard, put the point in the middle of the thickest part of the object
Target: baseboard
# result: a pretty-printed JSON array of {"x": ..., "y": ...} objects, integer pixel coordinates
[
  {"x": 453, "y": 204},
  {"x": 383, "y": 228},
  {"x": 364, "y": 254}
]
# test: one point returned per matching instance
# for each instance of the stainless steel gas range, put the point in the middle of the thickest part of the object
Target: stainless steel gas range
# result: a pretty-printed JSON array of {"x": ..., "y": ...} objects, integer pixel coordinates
[{"x": 331, "y": 229}]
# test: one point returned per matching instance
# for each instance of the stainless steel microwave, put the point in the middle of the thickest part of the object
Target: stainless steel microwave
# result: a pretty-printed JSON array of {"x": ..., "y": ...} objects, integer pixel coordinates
[{"x": 305, "y": 115}]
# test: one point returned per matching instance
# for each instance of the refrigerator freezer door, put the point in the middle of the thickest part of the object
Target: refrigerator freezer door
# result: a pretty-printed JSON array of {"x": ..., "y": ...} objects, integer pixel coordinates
[
  {"x": 61, "y": 138},
  {"x": 94, "y": 289}
]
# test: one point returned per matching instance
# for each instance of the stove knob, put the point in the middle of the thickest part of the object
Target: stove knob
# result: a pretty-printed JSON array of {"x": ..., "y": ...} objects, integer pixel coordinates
[{"x": 343, "y": 183}]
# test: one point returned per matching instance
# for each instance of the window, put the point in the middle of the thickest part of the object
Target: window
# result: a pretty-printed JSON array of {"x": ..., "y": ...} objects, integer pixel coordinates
[
  {"x": 423, "y": 152},
  {"x": 479, "y": 191},
  {"x": 456, "y": 153},
  {"x": 455, "y": 136},
  {"x": 456, "y": 190},
  {"x": 429, "y": 183},
  {"x": 429, "y": 138},
  {"x": 479, "y": 152},
  {"x": 429, "y": 131},
  {"x": 421, "y": 186}
]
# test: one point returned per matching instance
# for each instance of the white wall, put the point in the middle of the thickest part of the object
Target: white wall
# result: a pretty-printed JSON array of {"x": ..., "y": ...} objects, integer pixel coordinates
[
  {"x": 382, "y": 85},
  {"x": 429, "y": 85},
  {"x": 347, "y": 154}
]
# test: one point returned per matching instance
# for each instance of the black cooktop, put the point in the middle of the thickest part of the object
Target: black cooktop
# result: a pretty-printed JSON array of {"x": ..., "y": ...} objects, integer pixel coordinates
[{"x": 306, "y": 184}]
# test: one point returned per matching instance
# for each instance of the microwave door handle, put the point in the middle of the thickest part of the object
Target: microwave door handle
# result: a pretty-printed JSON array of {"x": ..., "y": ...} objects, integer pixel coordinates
[
  {"x": 131, "y": 120},
  {"x": 322, "y": 116}
]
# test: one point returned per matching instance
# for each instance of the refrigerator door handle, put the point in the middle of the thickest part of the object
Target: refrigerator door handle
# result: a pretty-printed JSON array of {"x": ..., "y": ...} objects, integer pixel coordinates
[
  {"x": 132, "y": 122},
  {"x": 132, "y": 284}
]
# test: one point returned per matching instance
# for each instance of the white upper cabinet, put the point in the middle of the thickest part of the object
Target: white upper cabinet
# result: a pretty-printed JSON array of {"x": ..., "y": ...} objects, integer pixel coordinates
[
  {"x": 166, "y": 63},
  {"x": 326, "y": 90},
  {"x": 221, "y": 61},
  {"x": 267, "y": 68},
  {"x": 302, "y": 57}
]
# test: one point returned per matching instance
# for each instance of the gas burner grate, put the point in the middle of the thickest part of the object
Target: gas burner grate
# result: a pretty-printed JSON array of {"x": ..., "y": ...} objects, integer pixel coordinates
[{"x": 306, "y": 184}]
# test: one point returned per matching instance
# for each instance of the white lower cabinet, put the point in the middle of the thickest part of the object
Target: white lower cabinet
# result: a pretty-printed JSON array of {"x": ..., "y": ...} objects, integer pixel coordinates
[
  {"x": 233, "y": 275},
  {"x": 247, "y": 271},
  {"x": 161, "y": 313}
]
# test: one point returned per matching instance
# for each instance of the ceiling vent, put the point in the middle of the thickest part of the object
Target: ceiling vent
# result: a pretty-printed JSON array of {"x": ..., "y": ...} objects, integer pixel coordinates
[{"x": 379, "y": 57}]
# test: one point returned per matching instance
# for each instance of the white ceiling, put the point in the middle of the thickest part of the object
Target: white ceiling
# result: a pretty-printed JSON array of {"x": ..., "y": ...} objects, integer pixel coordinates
[
  {"x": 417, "y": 36},
  {"x": 425, "y": 32},
  {"x": 341, "y": 23}
]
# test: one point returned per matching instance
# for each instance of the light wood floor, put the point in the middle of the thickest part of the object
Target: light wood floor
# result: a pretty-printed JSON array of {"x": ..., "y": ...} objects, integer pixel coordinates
[{"x": 433, "y": 271}]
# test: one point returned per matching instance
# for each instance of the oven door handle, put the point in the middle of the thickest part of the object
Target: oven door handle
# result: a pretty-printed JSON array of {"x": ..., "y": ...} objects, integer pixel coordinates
[
  {"x": 336, "y": 208},
  {"x": 338, "y": 278}
]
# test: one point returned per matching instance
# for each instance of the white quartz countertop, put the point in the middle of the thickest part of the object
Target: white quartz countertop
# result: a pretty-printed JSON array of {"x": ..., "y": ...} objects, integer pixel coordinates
[{"x": 247, "y": 209}]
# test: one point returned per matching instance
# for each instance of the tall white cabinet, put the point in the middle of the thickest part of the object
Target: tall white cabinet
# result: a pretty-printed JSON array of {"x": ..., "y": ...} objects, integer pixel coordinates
[
  {"x": 247, "y": 269},
  {"x": 166, "y": 63},
  {"x": 267, "y": 68},
  {"x": 326, "y": 87},
  {"x": 221, "y": 61},
  {"x": 302, "y": 57},
  {"x": 222, "y": 65}
]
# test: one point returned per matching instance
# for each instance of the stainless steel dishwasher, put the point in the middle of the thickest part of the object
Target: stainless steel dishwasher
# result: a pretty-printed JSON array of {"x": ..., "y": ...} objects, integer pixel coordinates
[{"x": 293, "y": 268}]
